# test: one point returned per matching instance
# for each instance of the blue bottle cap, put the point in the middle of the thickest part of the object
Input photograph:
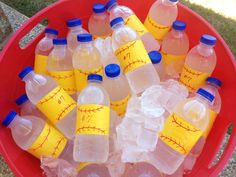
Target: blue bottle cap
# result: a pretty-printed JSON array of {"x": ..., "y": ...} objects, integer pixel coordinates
[
  {"x": 51, "y": 31},
  {"x": 208, "y": 39},
  {"x": 155, "y": 57},
  {"x": 22, "y": 99},
  {"x": 85, "y": 38},
  {"x": 111, "y": 3},
  {"x": 9, "y": 118},
  {"x": 60, "y": 41},
  {"x": 95, "y": 77},
  {"x": 74, "y": 22},
  {"x": 173, "y": 0},
  {"x": 206, "y": 94},
  {"x": 99, "y": 8},
  {"x": 116, "y": 21},
  {"x": 25, "y": 71},
  {"x": 179, "y": 25},
  {"x": 214, "y": 81},
  {"x": 112, "y": 70}
]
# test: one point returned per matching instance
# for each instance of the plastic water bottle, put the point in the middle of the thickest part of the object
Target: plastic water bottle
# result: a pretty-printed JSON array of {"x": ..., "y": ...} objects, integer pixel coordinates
[
  {"x": 132, "y": 21},
  {"x": 133, "y": 57},
  {"x": 182, "y": 129},
  {"x": 60, "y": 66},
  {"x": 199, "y": 64},
  {"x": 156, "y": 58},
  {"x": 118, "y": 89},
  {"x": 93, "y": 120},
  {"x": 51, "y": 100},
  {"x": 75, "y": 28},
  {"x": 34, "y": 135},
  {"x": 43, "y": 49},
  {"x": 161, "y": 16},
  {"x": 86, "y": 60},
  {"x": 175, "y": 47},
  {"x": 99, "y": 22},
  {"x": 94, "y": 170},
  {"x": 27, "y": 108},
  {"x": 212, "y": 86}
]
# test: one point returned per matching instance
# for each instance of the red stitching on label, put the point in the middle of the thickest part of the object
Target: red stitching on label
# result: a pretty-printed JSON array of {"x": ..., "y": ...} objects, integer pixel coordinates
[
  {"x": 121, "y": 103},
  {"x": 156, "y": 26},
  {"x": 63, "y": 111},
  {"x": 133, "y": 63},
  {"x": 70, "y": 89},
  {"x": 194, "y": 73},
  {"x": 50, "y": 97},
  {"x": 187, "y": 85},
  {"x": 174, "y": 142},
  {"x": 180, "y": 125},
  {"x": 46, "y": 138},
  {"x": 90, "y": 128},
  {"x": 90, "y": 110},
  {"x": 119, "y": 51},
  {"x": 86, "y": 73},
  {"x": 57, "y": 146},
  {"x": 58, "y": 77}
]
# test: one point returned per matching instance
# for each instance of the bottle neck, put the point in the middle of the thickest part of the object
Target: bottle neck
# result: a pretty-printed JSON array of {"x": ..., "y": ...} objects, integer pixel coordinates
[
  {"x": 21, "y": 126},
  {"x": 29, "y": 76},
  {"x": 205, "y": 50},
  {"x": 203, "y": 99},
  {"x": 60, "y": 47},
  {"x": 177, "y": 33},
  {"x": 117, "y": 26},
  {"x": 75, "y": 28},
  {"x": 99, "y": 14},
  {"x": 86, "y": 44},
  {"x": 25, "y": 104},
  {"x": 112, "y": 7}
]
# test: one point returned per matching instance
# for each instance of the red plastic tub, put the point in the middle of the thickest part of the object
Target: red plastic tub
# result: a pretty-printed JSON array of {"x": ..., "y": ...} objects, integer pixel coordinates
[{"x": 13, "y": 59}]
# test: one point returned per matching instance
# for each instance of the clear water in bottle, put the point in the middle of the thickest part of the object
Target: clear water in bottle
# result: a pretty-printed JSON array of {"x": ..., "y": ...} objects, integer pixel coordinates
[
  {"x": 183, "y": 128},
  {"x": 51, "y": 99},
  {"x": 132, "y": 20},
  {"x": 174, "y": 49},
  {"x": 160, "y": 17},
  {"x": 99, "y": 22},
  {"x": 43, "y": 49},
  {"x": 118, "y": 88},
  {"x": 75, "y": 28},
  {"x": 133, "y": 57},
  {"x": 94, "y": 170},
  {"x": 91, "y": 143}
]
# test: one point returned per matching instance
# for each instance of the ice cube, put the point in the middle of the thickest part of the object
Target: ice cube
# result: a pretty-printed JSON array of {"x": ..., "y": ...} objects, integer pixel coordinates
[
  {"x": 154, "y": 124},
  {"x": 147, "y": 140}
]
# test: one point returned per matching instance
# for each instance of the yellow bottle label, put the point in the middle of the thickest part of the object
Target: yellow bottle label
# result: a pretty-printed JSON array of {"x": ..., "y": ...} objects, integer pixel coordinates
[
  {"x": 66, "y": 79},
  {"x": 168, "y": 58},
  {"x": 81, "y": 77},
  {"x": 93, "y": 119},
  {"x": 120, "y": 106},
  {"x": 212, "y": 119},
  {"x": 157, "y": 30},
  {"x": 134, "y": 22},
  {"x": 40, "y": 64},
  {"x": 82, "y": 165},
  {"x": 50, "y": 142},
  {"x": 56, "y": 104},
  {"x": 132, "y": 56},
  {"x": 180, "y": 135},
  {"x": 193, "y": 79}
]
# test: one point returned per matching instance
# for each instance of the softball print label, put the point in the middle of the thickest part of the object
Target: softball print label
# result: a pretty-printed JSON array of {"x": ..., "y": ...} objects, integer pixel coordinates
[
  {"x": 40, "y": 64},
  {"x": 66, "y": 79},
  {"x": 50, "y": 142},
  {"x": 93, "y": 119},
  {"x": 212, "y": 119},
  {"x": 168, "y": 58},
  {"x": 157, "y": 30},
  {"x": 132, "y": 56},
  {"x": 120, "y": 106},
  {"x": 134, "y": 22},
  {"x": 56, "y": 104},
  {"x": 193, "y": 79},
  {"x": 81, "y": 76},
  {"x": 180, "y": 135}
]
